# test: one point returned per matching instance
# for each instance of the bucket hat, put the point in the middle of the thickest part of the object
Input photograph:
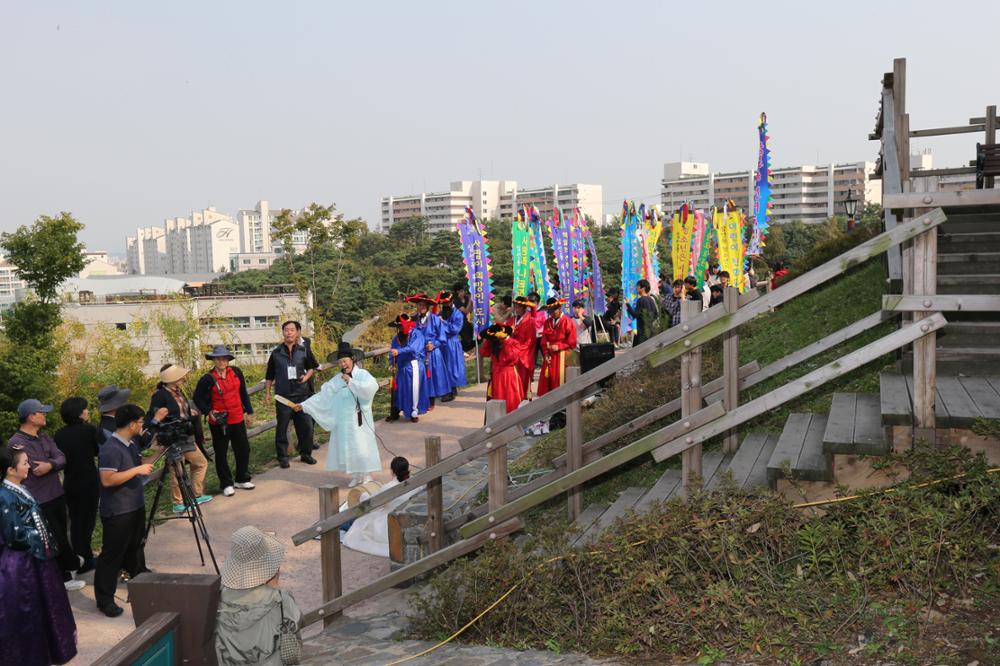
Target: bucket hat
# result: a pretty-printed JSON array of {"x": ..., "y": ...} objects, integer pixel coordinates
[
  {"x": 111, "y": 398},
  {"x": 219, "y": 351},
  {"x": 254, "y": 559}
]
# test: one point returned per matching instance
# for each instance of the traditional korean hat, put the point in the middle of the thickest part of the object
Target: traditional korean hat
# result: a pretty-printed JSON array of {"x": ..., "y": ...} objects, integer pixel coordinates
[
  {"x": 525, "y": 301},
  {"x": 254, "y": 559},
  {"x": 421, "y": 297},
  {"x": 404, "y": 323},
  {"x": 445, "y": 297},
  {"x": 498, "y": 332},
  {"x": 344, "y": 350},
  {"x": 554, "y": 304}
]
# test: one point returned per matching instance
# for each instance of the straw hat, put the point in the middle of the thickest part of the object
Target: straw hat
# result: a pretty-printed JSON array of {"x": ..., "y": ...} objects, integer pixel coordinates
[
  {"x": 173, "y": 373},
  {"x": 254, "y": 559}
]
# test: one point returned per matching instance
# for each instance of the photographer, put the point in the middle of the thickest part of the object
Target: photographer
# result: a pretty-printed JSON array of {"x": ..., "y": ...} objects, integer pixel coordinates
[
  {"x": 123, "y": 508},
  {"x": 222, "y": 395},
  {"x": 169, "y": 394}
]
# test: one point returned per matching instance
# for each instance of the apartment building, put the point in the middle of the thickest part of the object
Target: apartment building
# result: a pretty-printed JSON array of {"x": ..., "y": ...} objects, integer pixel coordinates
[
  {"x": 11, "y": 286},
  {"x": 497, "y": 199},
  {"x": 807, "y": 193}
]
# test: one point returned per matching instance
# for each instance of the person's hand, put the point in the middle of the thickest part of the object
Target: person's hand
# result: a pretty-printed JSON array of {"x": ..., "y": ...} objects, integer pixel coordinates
[
  {"x": 160, "y": 414},
  {"x": 394, "y": 352},
  {"x": 430, "y": 347},
  {"x": 42, "y": 468},
  {"x": 296, "y": 407},
  {"x": 144, "y": 469},
  {"x": 267, "y": 394},
  {"x": 248, "y": 419}
]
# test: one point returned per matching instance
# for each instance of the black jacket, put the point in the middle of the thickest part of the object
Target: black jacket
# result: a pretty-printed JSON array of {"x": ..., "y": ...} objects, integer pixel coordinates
[
  {"x": 203, "y": 392},
  {"x": 79, "y": 442}
]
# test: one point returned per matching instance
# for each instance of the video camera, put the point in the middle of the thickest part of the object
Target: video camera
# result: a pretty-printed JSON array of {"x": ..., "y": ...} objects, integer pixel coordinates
[{"x": 175, "y": 432}]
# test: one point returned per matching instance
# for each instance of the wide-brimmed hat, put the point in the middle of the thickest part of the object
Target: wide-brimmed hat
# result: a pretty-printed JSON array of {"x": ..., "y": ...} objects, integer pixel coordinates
[
  {"x": 254, "y": 558},
  {"x": 173, "y": 373},
  {"x": 404, "y": 323},
  {"x": 498, "y": 332},
  {"x": 554, "y": 303},
  {"x": 344, "y": 350},
  {"x": 421, "y": 298},
  {"x": 444, "y": 297},
  {"x": 524, "y": 301},
  {"x": 219, "y": 351},
  {"x": 111, "y": 398}
]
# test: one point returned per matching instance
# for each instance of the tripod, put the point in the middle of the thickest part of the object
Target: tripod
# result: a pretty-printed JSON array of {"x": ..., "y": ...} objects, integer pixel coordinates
[{"x": 192, "y": 511}]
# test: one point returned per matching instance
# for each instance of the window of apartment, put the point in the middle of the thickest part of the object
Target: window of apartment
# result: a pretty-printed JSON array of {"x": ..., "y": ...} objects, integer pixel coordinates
[
  {"x": 261, "y": 261},
  {"x": 265, "y": 321}
]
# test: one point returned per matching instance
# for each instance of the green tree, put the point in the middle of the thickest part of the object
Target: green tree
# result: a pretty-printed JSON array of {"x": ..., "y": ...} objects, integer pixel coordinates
[{"x": 46, "y": 253}]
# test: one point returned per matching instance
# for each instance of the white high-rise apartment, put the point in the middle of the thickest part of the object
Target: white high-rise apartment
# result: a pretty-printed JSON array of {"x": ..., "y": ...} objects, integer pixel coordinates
[
  {"x": 256, "y": 230},
  {"x": 145, "y": 253},
  {"x": 496, "y": 199},
  {"x": 807, "y": 193}
]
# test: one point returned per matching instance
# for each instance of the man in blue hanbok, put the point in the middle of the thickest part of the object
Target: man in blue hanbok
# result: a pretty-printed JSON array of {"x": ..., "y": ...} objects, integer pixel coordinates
[
  {"x": 453, "y": 320},
  {"x": 430, "y": 325},
  {"x": 344, "y": 408},
  {"x": 409, "y": 384}
]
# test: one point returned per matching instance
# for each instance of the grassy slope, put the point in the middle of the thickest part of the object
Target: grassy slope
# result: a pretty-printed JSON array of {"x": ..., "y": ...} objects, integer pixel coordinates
[{"x": 766, "y": 339}]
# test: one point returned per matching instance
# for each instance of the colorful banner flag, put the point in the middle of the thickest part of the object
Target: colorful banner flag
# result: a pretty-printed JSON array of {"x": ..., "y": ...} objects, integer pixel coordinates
[
  {"x": 539, "y": 277},
  {"x": 476, "y": 254},
  {"x": 762, "y": 204},
  {"x": 561, "y": 250},
  {"x": 596, "y": 281},
  {"x": 632, "y": 252},
  {"x": 701, "y": 243},
  {"x": 681, "y": 250},
  {"x": 521, "y": 243},
  {"x": 729, "y": 226},
  {"x": 652, "y": 226}
]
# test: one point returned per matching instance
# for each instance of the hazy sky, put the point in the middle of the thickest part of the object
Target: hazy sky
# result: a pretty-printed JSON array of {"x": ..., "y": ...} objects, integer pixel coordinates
[{"x": 125, "y": 113}]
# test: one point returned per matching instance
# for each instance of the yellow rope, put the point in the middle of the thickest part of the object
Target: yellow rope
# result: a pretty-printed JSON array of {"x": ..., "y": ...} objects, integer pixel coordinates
[{"x": 634, "y": 544}]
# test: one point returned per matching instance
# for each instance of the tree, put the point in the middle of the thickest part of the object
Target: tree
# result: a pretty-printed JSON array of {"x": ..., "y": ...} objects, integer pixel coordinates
[{"x": 46, "y": 254}]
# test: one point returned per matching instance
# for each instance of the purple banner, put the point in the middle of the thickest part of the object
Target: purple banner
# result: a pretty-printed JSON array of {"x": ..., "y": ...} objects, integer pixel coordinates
[
  {"x": 476, "y": 254},
  {"x": 559, "y": 233}
]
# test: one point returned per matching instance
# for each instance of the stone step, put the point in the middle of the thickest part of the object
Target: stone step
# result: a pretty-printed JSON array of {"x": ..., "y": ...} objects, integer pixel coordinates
[
  {"x": 800, "y": 446},
  {"x": 626, "y": 501},
  {"x": 968, "y": 263},
  {"x": 749, "y": 465},
  {"x": 854, "y": 426}
]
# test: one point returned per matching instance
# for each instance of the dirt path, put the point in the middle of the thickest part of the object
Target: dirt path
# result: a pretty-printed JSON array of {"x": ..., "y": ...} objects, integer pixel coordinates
[{"x": 284, "y": 502}]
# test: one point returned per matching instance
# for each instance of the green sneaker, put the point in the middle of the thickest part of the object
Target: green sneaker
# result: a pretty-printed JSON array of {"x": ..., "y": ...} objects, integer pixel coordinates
[
  {"x": 179, "y": 508},
  {"x": 203, "y": 499}
]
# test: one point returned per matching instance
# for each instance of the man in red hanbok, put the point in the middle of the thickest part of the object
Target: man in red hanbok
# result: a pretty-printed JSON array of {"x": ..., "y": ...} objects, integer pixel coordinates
[
  {"x": 522, "y": 320},
  {"x": 505, "y": 353},
  {"x": 558, "y": 340}
]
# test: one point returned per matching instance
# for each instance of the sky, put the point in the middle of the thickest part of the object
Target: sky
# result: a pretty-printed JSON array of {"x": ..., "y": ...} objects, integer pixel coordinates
[{"x": 126, "y": 113}]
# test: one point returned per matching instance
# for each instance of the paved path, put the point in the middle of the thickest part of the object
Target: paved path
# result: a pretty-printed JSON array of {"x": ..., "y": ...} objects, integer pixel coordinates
[{"x": 284, "y": 502}]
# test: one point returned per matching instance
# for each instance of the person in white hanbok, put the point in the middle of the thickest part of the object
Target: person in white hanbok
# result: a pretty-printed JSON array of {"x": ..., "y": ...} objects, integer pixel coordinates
[
  {"x": 369, "y": 533},
  {"x": 344, "y": 408}
]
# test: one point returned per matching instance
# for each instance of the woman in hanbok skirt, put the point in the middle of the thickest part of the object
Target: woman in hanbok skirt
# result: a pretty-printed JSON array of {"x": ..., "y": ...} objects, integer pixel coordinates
[
  {"x": 344, "y": 408},
  {"x": 409, "y": 390},
  {"x": 505, "y": 352},
  {"x": 36, "y": 621}
]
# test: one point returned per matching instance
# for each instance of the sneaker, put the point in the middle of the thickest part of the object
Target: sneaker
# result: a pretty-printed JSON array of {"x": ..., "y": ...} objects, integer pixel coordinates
[
  {"x": 228, "y": 491},
  {"x": 244, "y": 485},
  {"x": 114, "y": 610},
  {"x": 203, "y": 499},
  {"x": 74, "y": 585},
  {"x": 179, "y": 508}
]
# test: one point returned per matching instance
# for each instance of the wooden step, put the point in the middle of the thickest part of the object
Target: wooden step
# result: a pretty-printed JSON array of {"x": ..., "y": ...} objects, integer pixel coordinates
[
  {"x": 749, "y": 465},
  {"x": 625, "y": 502},
  {"x": 968, "y": 263},
  {"x": 968, "y": 243},
  {"x": 854, "y": 426},
  {"x": 970, "y": 222},
  {"x": 666, "y": 487},
  {"x": 713, "y": 468},
  {"x": 800, "y": 445},
  {"x": 981, "y": 283},
  {"x": 960, "y": 400},
  {"x": 968, "y": 334},
  {"x": 584, "y": 521}
]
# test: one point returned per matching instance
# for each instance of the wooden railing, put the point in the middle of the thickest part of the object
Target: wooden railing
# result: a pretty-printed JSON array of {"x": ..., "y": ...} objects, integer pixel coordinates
[{"x": 582, "y": 461}]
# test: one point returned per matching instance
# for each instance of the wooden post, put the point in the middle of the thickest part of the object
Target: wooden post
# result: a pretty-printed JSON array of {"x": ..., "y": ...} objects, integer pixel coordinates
[
  {"x": 496, "y": 458},
  {"x": 731, "y": 368},
  {"x": 925, "y": 348},
  {"x": 574, "y": 447},
  {"x": 435, "y": 496},
  {"x": 690, "y": 396},
  {"x": 329, "y": 550},
  {"x": 990, "y": 126}
]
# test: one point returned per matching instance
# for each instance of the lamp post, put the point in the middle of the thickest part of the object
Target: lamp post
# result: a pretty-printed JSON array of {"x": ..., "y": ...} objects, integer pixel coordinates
[{"x": 851, "y": 209}]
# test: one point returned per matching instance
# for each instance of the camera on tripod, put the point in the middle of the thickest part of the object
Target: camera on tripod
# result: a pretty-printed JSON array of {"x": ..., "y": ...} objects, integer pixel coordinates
[{"x": 175, "y": 432}]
